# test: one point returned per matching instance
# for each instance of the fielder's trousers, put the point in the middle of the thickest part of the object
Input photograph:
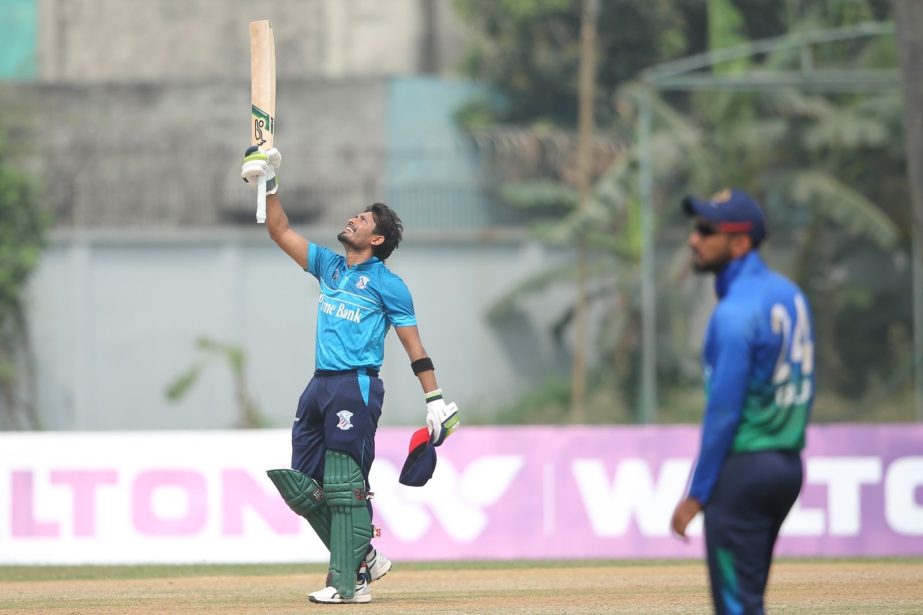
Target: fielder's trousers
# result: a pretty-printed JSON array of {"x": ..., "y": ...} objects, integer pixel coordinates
[{"x": 754, "y": 493}]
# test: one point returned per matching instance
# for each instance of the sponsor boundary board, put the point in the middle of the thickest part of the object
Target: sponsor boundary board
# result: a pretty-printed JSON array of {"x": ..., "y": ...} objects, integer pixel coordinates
[{"x": 497, "y": 493}]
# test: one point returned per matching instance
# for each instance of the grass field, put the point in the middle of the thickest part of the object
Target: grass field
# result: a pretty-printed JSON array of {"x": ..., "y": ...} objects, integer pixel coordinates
[{"x": 881, "y": 586}]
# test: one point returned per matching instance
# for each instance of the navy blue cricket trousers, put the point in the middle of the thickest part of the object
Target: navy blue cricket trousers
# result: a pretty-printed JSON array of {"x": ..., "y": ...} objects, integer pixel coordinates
[
  {"x": 337, "y": 411},
  {"x": 752, "y": 497}
]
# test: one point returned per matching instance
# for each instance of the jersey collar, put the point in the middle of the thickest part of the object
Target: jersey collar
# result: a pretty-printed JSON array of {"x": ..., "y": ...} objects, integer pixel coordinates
[
  {"x": 749, "y": 263},
  {"x": 373, "y": 260}
]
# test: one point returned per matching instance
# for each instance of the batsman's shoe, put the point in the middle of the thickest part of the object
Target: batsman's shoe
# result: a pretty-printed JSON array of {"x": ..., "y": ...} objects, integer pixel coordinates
[
  {"x": 378, "y": 565},
  {"x": 330, "y": 595}
]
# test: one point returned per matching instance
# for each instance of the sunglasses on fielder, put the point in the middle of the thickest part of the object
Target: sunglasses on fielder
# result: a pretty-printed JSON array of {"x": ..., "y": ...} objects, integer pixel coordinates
[{"x": 707, "y": 229}]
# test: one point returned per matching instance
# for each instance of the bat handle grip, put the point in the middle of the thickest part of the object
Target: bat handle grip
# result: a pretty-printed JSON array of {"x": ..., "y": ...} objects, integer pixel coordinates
[{"x": 261, "y": 201}]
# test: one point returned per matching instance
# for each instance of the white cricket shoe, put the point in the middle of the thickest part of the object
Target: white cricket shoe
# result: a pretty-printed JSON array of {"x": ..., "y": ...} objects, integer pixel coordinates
[
  {"x": 378, "y": 565},
  {"x": 330, "y": 595}
]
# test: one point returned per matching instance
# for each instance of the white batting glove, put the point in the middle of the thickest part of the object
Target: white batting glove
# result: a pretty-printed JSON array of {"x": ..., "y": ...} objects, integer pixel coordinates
[
  {"x": 441, "y": 418},
  {"x": 259, "y": 164}
]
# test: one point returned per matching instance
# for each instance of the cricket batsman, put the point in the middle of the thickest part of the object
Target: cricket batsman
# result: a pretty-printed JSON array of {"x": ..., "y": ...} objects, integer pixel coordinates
[{"x": 333, "y": 436}]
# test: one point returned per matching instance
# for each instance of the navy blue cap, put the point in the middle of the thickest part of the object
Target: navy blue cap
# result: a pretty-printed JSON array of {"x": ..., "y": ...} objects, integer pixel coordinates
[
  {"x": 732, "y": 211},
  {"x": 421, "y": 460}
]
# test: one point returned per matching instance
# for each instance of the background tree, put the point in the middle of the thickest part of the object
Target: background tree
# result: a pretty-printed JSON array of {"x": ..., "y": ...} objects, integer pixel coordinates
[
  {"x": 530, "y": 50},
  {"x": 828, "y": 167},
  {"x": 909, "y": 18},
  {"x": 22, "y": 236}
]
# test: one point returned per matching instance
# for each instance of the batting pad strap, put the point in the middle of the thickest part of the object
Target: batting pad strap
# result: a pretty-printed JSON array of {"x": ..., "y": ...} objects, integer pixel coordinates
[
  {"x": 258, "y": 154},
  {"x": 422, "y": 365},
  {"x": 350, "y": 520},
  {"x": 306, "y": 498}
]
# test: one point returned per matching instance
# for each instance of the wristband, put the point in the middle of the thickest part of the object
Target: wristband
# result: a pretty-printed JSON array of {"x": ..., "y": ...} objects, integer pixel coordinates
[
  {"x": 422, "y": 365},
  {"x": 433, "y": 395}
]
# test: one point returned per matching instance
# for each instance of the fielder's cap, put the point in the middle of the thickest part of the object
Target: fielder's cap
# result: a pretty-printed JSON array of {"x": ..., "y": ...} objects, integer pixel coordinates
[
  {"x": 731, "y": 211},
  {"x": 421, "y": 460}
]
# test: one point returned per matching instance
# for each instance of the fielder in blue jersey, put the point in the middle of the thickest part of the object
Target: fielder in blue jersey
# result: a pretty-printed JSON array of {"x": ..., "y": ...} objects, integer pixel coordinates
[
  {"x": 759, "y": 381},
  {"x": 333, "y": 437}
]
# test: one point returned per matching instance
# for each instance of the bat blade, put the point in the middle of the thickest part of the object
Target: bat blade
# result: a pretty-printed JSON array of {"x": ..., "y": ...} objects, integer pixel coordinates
[{"x": 262, "y": 96}]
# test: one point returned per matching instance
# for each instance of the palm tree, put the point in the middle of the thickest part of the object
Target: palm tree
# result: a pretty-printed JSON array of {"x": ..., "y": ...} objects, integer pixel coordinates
[{"x": 792, "y": 149}]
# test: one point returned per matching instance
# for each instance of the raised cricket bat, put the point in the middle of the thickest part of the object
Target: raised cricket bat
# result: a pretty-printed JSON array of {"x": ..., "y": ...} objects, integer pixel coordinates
[{"x": 262, "y": 97}]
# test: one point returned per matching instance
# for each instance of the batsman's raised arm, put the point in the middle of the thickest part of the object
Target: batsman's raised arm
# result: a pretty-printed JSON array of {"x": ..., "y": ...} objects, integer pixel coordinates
[
  {"x": 292, "y": 243},
  {"x": 259, "y": 164}
]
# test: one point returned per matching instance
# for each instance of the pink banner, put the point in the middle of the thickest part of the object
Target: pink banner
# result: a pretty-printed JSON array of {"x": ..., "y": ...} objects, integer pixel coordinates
[
  {"x": 604, "y": 492},
  {"x": 497, "y": 493}
]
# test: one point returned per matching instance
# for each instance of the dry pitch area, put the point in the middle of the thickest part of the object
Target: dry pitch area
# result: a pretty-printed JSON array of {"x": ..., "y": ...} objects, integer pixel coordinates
[{"x": 892, "y": 586}]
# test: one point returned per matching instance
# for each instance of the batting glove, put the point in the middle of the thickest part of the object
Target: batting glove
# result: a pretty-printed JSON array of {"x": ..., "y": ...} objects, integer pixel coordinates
[
  {"x": 259, "y": 164},
  {"x": 441, "y": 418}
]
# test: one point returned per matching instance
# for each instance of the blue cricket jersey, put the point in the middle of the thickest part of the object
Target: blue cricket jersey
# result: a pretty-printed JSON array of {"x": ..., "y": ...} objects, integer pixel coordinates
[
  {"x": 758, "y": 366},
  {"x": 355, "y": 308}
]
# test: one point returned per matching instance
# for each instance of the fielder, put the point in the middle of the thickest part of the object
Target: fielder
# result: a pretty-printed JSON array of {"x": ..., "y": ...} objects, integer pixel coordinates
[
  {"x": 759, "y": 379},
  {"x": 333, "y": 437}
]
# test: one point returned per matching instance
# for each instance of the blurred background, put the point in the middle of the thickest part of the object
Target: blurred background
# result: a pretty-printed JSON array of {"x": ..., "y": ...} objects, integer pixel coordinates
[{"x": 537, "y": 151}]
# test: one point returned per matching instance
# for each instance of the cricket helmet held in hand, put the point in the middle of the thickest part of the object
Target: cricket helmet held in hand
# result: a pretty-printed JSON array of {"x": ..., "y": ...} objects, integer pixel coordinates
[{"x": 421, "y": 459}]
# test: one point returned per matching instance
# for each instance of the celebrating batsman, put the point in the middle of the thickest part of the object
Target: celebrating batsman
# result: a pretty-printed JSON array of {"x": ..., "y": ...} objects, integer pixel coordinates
[
  {"x": 759, "y": 377},
  {"x": 333, "y": 437}
]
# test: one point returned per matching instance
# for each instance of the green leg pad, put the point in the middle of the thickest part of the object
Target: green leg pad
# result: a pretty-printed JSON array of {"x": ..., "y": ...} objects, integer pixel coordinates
[
  {"x": 306, "y": 498},
  {"x": 350, "y": 521}
]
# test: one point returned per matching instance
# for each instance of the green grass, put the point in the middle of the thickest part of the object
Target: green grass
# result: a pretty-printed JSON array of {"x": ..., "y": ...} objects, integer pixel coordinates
[{"x": 150, "y": 571}]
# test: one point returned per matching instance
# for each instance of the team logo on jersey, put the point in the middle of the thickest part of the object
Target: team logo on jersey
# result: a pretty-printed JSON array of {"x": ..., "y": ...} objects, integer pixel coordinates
[
  {"x": 363, "y": 282},
  {"x": 721, "y": 197},
  {"x": 345, "y": 423}
]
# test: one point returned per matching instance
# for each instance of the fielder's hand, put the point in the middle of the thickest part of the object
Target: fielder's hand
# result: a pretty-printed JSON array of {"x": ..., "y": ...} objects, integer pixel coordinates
[
  {"x": 259, "y": 163},
  {"x": 441, "y": 418},
  {"x": 683, "y": 515}
]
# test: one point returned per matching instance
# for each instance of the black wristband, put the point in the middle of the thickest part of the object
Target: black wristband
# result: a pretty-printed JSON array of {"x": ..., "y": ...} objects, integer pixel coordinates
[{"x": 422, "y": 365}]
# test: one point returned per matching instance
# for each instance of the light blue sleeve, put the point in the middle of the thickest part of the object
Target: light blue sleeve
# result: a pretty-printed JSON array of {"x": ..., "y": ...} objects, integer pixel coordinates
[
  {"x": 319, "y": 258},
  {"x": 398, "y": 303}
]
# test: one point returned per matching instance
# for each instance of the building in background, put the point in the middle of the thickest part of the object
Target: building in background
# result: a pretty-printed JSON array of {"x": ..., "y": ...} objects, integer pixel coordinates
[
  {"x": 134, "y": 118},
  {"x": 93, "y": 41}
]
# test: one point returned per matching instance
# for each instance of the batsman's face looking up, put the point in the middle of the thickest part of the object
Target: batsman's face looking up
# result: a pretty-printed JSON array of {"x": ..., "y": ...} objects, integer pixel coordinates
[{"x": 359, "y": 232}]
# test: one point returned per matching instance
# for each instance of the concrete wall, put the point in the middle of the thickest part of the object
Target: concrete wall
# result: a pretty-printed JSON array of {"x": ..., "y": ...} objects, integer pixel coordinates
[
  {"x": 168, "y": 155},
  {"x": 196, "y": 40},
  {"x": 115, "y": 318}
]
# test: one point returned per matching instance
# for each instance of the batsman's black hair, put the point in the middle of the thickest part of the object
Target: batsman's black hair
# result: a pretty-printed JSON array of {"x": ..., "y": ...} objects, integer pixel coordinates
[{"x": 389, "y": 226}]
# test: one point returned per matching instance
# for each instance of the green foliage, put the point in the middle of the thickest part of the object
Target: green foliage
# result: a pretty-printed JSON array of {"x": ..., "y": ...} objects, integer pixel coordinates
[
  {"x": 529, "y": 49},
  {"x": 22, "y": 238},
  {"x": 549, "y": 403},
  {"x": 249, "y": 415},
  {"x": 725, "y": 26},
  {"x": 833, "y": 183},
  {"x": 181, "y": 385},
  {"x": 23, "y": 227},
  {"x": 540, "y": 193},
  {"x": 828, "y": 167}
]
